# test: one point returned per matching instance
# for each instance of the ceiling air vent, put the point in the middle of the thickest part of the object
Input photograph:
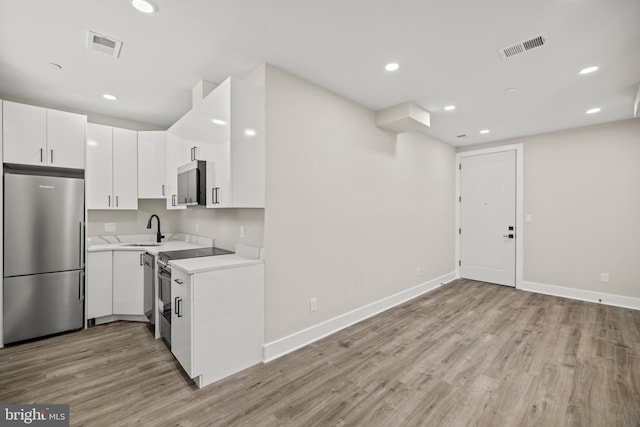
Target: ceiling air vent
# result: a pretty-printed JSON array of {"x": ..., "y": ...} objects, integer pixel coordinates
[
  {"x": 524, "y": 46},
  {"x": 103, "y": 44}
]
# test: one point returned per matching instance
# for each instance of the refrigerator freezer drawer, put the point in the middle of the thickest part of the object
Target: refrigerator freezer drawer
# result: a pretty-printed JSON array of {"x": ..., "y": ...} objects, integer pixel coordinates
[{"x": 42, "y": 304}]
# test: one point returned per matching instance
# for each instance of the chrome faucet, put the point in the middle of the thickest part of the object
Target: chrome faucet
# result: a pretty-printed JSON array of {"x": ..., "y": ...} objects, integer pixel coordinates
[{"x": 159, "y": 235}]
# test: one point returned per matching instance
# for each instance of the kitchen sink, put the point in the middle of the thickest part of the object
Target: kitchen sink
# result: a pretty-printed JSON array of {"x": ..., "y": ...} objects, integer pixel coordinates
[{"x": 142, "y": 244}]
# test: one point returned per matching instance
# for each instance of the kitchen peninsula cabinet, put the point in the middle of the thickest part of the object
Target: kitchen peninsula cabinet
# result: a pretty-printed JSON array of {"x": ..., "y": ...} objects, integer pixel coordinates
[
  {"x": 42, "y": 137},
  {"x": 112, "y": 168},
  {"x": 217, "y": 320}
]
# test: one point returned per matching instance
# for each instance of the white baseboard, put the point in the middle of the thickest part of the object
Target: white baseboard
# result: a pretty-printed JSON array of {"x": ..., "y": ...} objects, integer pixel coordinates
[
  {"x": 279, "y": 348},
  {"x": 582, "y": 295},
  {"x": 116, "y": 317}
]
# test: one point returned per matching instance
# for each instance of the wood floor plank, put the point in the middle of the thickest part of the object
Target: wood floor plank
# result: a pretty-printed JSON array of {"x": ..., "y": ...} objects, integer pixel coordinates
[{"x": 468, "y": 353}]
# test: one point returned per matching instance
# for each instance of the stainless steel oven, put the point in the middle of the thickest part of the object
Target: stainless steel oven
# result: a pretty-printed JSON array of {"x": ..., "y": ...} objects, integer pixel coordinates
[{"x": 164, "y": 309}]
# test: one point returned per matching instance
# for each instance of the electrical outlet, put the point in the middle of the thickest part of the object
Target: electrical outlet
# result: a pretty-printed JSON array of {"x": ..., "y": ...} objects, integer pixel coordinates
[
  {"x": 242, "y": 231},
  {"x": 197, "y": 227},
  {"x": 313, "y": 304},
  {"x": 418, "y": 271},
  {"x": 604, "y": 277},
  {"x": 109, "y": 227}
]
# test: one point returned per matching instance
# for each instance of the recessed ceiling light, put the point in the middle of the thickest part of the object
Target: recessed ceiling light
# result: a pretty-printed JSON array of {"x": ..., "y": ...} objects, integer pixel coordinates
[
  {"x": 218, "y": 122},
  {"x": 250, "y": 132},
  {"x": 392, "y": 66},
  {"x": 589, "y": 70},
  {"x": 109, "y": 97},
  {"x": 485, "y": 131},
  {"x": 593, "y": 110},
  {"x": 144, "y": 6},
  {"x": 449, "y": 108}
]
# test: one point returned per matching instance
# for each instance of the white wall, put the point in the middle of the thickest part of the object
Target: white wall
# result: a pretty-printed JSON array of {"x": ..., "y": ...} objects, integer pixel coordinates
[
  {"x": 582, "y": 187},
  {"x": 350, "y": 212},
  {"x": 224, "y": 225}
]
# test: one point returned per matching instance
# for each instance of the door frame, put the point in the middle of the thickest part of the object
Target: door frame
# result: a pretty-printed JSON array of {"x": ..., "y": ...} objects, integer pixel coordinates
[{"x": 519, "y": 149}]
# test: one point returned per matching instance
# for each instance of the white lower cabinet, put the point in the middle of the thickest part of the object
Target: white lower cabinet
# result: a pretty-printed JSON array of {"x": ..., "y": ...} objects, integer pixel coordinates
[
  {"x": 115, "y": 284},
  {"x": 217, "y": 321},
  {"x": 99, "y": 284},
  {"x": 181, "y": 320},
  {"x": 128, "y": 282}
]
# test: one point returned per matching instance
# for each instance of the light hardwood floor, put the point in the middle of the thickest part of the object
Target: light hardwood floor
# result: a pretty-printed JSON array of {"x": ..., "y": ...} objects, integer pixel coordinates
[{"x": 467, "y": 353}]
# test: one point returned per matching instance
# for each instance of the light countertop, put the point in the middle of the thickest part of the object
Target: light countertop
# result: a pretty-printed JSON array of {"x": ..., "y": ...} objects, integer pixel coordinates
[
  {"x": 154, "y": 250},
  {"x": 210, "y": 263},
  {"x": 172, "y": 242}
]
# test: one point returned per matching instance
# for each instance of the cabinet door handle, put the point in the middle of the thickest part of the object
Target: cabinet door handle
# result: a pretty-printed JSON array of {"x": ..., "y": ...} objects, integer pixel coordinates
[
  {"x": 41, "y": 155},
  {"x": 116, "y": 201},
  {"x": 173, "y": 200},
  {"x": 179, "y": 307},
  {"x": 109, "y": 201},
  {"x": 52, "y": 156},
  {"x": 163, "y": 190},
  {"x": 141, "y": 259},
  {"x": 178, "y": 281},
  {"x": 175, "y": 305}
]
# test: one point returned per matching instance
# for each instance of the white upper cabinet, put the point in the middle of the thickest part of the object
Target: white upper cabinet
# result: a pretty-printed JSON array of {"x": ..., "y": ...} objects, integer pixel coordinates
[
  {"x": 174, "y": 159},
  {"x": 227, "y": 127},
  {"x": 99, "y": 173},
  {"x": 125, "y": 168},
  {"x": 152, "y": 165},
  {"x": 65, "y": 139},
  {"x": 112, "y": 164},
  {"x": 43, "y": 137}
]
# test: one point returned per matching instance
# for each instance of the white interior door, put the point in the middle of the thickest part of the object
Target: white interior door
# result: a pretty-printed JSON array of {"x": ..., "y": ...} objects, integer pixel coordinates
[{"x": 488, "y": 217}]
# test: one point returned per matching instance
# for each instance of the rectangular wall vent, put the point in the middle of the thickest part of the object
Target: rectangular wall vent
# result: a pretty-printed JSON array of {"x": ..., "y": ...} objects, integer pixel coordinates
[
  {"x": 524, "y": 46},
  {"x": 103, "y": 44}
]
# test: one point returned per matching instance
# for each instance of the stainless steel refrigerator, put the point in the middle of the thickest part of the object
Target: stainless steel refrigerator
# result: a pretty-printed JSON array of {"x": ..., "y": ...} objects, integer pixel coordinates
[{"x": 43, "y": 280}]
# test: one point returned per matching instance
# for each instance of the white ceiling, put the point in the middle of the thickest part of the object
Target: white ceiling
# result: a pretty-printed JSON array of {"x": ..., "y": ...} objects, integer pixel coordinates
[{"x": 447, "y": 51}]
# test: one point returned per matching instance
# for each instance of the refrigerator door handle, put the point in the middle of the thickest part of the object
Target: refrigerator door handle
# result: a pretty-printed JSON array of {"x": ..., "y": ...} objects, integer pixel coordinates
[
  {"x": 81, "y": 282},
  {"x": 81, "y": 260}
]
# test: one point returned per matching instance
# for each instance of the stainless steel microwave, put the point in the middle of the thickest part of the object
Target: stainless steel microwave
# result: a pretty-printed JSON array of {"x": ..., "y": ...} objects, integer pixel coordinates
[{"x": 192, "y": 183}]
